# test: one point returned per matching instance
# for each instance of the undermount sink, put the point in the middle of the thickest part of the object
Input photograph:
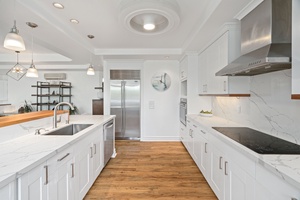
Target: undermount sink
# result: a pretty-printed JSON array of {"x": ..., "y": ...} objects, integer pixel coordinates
[{"x": 71, "y": 129}]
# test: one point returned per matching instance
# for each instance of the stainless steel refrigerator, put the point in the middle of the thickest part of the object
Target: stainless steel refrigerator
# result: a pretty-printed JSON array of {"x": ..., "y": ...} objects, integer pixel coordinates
[{"x": 125, "y": 104}]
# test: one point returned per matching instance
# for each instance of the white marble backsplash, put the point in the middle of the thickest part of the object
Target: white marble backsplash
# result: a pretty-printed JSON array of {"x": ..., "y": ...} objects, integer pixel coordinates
[{"x": 269, "y": 109}]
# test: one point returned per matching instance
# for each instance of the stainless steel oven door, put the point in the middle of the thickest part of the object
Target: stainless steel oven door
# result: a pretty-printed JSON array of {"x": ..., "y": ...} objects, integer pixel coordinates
[{"x": 183, "y": 111}]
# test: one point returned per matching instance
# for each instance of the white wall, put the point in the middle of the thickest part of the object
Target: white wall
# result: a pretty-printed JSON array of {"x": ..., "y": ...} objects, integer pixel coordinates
[
  {"x": 82, "y": 89},
  {"x": 269, "y": 109},
  {"x": 162, "y": 122}
]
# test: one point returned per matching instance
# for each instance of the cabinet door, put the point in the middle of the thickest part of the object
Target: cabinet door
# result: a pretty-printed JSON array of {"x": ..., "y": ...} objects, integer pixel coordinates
[
  {"x": 8, "y": 192},
  {"x": 217, "y": 175},
  {"x": 239, "y": 185},
  {"x": 202, "y": 73},
  {"x": 183, "y": 69},
  {"x": 83, "y": 170},
  {"x": 205, "y": 159},
  {"x": 33, "y": 184},
  {"x": 98, "y": 160}
]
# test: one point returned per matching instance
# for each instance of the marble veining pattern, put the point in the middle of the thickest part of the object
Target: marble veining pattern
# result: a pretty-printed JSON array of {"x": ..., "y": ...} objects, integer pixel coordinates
[
  {"x": 269, "y": 109},
  {"x": 22, "y": 154},
  {"x": 287, "y": 167}
]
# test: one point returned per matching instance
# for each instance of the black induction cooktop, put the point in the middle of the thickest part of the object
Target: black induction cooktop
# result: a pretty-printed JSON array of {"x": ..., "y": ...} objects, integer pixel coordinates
[{"x": 259, "y": 142}]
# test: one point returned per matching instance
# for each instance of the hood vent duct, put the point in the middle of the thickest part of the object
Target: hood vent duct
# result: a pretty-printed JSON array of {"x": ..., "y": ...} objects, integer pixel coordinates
[{"x": 265, "y": 40}]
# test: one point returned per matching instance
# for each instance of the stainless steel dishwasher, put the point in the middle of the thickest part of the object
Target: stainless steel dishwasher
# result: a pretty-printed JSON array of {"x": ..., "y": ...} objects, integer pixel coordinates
[{"x": 108, "y": 138}]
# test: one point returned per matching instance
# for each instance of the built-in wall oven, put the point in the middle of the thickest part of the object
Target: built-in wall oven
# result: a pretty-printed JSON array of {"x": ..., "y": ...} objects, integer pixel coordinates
[{"x": 183, "y": 110}]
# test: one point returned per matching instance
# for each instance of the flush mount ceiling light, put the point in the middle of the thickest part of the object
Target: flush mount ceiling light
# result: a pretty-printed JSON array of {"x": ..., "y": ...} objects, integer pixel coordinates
[
  {"x": 32, "y": 71},
  {"x": 58, "y": 5},
  {"x": 18, "y": 71},
  {"x": 151, "y": 17}
]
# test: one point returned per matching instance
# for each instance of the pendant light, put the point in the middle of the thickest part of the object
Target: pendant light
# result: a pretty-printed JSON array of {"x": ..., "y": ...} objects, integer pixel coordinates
[
  {"x": 32, "y": 72},
  {"x": 13, "y": 41},
  {"x": 90, "y": 70},
  {"x": 18, "y": 71}
]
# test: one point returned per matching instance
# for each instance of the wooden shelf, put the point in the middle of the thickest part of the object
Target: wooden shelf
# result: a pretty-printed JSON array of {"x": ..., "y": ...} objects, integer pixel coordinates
[
  {"x": 25, "y": 117},
  {"x": 226, "y": 95},
  {"x": 295, "y": 96}
]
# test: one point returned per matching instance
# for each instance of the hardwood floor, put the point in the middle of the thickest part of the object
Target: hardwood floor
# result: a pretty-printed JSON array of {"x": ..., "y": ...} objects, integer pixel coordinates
[{"x": 150, "y": 170}]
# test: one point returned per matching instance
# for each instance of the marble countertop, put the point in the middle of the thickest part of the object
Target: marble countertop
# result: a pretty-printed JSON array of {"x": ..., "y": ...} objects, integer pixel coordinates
[
  {"x": 286, "y": 167},
  {"x": 22, "y": 154}
]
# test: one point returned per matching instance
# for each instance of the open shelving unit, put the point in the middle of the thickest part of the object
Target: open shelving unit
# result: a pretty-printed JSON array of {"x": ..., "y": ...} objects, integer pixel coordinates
[{"x": 48, "y": 95}]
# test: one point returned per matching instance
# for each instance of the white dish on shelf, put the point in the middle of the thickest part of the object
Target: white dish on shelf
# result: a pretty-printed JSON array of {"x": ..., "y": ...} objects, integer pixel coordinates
[{"x": 205, "y": 115}]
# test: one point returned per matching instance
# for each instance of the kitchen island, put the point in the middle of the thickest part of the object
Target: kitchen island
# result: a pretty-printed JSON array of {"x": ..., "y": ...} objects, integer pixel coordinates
[{"x": 21, "y": 155}]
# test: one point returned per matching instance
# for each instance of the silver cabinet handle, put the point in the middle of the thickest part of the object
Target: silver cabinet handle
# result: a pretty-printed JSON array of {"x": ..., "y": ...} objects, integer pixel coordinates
[
  {"x": 73, "y": 174},
  {"x": 91, "y": 152},
  {"x": 224, "y": 86},
  {"x": 205, "y": 149},
  {"x": 203, "y": 132},
  {"x": 47, "y": 178},
  {"x": 95, "y": 147},
  {"x": 60, "y": 159},
  {"x": 220, "y": 162},
  {"x": 195, "y": 126},
  {"x": 225, "y": 171}
]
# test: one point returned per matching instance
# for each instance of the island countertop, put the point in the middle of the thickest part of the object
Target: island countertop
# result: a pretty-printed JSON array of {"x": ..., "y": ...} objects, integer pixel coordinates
[
  {"x": 286, "y": 167},
  {"x": 22, "y": 154}
]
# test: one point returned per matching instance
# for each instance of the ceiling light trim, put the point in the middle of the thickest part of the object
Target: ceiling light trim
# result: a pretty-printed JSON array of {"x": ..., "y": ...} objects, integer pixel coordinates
[{"x": 132, "y": 10}]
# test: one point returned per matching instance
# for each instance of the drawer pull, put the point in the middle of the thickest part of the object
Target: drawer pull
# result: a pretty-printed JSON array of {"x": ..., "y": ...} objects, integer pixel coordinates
[
  {"x": 205, "y": 147},
  {"x": 72, "y": 166},
  {"x": 46, "y": 171},
  {"x": 63, "y": 157},
  {"x": 194, "y": 126},
  {"x": 95, "y": 149},
  {"x": 91, "y": 152},
  {"x": 220, "y": 162},
  {"x": 203, "y": 132},
  {"x": 225, "y": 171}
]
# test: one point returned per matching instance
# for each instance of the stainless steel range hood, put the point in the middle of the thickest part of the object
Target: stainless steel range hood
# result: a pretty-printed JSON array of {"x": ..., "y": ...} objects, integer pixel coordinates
[{"x": 265, "y": 40}]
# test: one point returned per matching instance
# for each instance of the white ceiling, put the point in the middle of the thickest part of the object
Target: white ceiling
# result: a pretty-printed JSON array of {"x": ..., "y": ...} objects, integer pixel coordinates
[{"x": 57, "y": 42}]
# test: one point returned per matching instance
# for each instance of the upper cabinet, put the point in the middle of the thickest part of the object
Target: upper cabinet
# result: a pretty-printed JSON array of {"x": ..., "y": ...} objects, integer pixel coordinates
[
  {"x": 183, "y": 69},
  {"x": 223, "y": 49}
]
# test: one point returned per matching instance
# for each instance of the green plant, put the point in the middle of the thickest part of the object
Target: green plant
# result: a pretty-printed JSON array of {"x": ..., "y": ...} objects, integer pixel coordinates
[
  {"x": 27, "y": 107},
  {"x": 73, "y": 112}
]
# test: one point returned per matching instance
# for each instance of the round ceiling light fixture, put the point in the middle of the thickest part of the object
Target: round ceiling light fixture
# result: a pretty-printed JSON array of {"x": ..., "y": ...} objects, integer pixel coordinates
[
  {"x": 151, "y": 17},
  {"x": 58, "y": 5}
]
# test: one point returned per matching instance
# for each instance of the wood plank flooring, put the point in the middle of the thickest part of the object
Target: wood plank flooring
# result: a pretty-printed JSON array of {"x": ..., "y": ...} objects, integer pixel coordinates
[{"x": 150, "y": 170}]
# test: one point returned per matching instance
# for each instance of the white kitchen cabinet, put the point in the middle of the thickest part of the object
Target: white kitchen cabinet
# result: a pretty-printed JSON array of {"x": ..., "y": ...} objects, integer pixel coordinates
[
  {"x": 217, "y": 176},
  {"x": 221, "y": 51},
  {"x": 271, "y": 187},
  {"x": 183, "y": 134},
  {"x": 33, "y": 184},
  {"x": 61, "y": 176},
  {"x": 8, "y": 191},
  {"x": 98, "y": 154},
  {"x": 183, "y": 69}
]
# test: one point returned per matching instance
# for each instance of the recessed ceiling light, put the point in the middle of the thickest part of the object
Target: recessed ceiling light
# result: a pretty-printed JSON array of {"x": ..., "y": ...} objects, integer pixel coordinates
[
  {"x": 149, "y": 27},
  {"x": 58, "y": 5},
  {"x": 74, "y": 21},
  {"x": 31, "y": 24},
  {"x": 90, "y": 36}
]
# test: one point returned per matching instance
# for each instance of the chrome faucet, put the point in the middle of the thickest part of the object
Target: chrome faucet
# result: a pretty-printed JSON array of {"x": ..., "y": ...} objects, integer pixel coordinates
[{"x": 55, "y": 112}]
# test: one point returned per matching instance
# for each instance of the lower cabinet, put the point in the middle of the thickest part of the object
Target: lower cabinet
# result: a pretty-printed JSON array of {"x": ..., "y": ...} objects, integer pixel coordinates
[
  {"x": 66, "y": 176},
  {"x": 33, "y": 184},
  {"x": 60, "y": 176},
  {"x": 270, "y": 187},
  {"x": 8, "y": 191}
]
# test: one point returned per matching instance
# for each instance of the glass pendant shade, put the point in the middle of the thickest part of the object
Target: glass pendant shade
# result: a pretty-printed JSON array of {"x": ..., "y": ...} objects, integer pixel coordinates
[
  {"x": 32, "y": 72},
  {"x": 13, "y": 41},
  {"x": 90, "y": 70},
  {"x": 17, "y": 72}
]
